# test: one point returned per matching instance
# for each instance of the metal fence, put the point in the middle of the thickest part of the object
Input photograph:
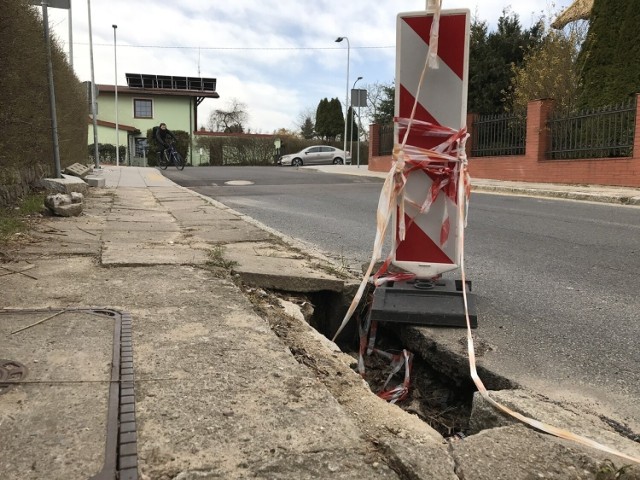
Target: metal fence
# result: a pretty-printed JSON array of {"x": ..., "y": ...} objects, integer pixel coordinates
[
  {"x": 498, "y": 135},
  {"x": 594, "y": 133},
  {"x": 386, "y": 139}
]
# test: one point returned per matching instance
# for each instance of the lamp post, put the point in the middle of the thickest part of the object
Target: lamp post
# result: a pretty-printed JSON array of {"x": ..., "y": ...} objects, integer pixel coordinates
[
  {"x": 115, "y": 62},
  {"x": 346, "y": 100},
  {"x": 352, "y": 113},
  {"x": 96, "y": 162}
]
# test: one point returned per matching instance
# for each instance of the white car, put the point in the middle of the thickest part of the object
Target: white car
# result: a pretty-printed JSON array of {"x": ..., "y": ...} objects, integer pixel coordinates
[{"x": 315, "y": 155}]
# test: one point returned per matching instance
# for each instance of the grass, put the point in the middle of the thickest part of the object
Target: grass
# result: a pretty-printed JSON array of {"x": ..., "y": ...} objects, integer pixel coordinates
[
  {"x": 216, "y": 258},
  {"x": 15, "y": 220}
]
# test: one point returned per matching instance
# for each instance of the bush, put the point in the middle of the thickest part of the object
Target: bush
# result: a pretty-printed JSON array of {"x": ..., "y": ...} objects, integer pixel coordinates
[{"x": 107, "y": 153}]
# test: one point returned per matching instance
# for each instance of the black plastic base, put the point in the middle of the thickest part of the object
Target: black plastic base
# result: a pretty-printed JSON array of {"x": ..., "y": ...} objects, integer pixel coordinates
[{"x": 424, "y": 302}]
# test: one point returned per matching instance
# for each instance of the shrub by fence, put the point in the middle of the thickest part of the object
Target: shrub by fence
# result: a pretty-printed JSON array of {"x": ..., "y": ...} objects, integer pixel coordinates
[
  {"x": 254, "y": 150},
  {"x": 26, "y": 146},
  {"x": 107, "y": 153}
]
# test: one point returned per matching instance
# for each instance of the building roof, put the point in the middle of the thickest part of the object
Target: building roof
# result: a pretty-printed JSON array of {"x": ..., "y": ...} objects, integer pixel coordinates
[
  {"x": 154, "y": 91},
  {"x": 103, "y": 123}
]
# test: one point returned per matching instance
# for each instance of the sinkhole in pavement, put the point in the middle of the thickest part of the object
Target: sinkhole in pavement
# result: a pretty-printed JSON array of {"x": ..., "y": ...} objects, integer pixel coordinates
[{"x": 442, "y": 399}]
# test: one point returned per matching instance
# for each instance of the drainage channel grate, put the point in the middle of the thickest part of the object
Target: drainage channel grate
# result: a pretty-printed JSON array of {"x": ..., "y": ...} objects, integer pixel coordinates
[{"x": 121, "y": 453}]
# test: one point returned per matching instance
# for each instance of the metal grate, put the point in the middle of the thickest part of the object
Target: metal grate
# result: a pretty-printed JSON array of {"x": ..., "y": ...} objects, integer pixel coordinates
[
  {"x": 386, "y": 140},
  {"x": 498, "y": 135},
  {"x": 606, "y": 132}
]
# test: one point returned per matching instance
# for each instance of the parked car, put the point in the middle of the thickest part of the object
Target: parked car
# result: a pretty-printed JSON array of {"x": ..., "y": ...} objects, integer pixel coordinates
[{"x": 315, "y": 155}]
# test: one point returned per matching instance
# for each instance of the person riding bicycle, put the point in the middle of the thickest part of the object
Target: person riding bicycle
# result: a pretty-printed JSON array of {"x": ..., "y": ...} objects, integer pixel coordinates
[{"x": 162, "y": 134}]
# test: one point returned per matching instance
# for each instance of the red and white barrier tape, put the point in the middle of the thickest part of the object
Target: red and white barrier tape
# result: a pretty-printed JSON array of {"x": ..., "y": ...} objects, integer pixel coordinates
[{"x": 408, "y": 158}]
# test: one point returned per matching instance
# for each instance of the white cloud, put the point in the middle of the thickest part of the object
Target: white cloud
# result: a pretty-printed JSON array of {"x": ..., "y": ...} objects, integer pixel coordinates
[{"x": 277, "y": 57}]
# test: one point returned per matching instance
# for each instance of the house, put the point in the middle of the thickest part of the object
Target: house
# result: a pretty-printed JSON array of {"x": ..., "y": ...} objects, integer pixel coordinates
[{"x": 145, "y": 102}]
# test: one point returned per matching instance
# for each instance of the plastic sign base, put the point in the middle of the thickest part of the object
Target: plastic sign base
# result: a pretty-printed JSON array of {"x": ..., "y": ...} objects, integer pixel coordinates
[{"x": 424, "y": 302}]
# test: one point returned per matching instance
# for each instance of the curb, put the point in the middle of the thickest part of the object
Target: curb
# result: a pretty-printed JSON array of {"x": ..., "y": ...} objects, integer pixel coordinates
[{"x": 568, "y": 195}]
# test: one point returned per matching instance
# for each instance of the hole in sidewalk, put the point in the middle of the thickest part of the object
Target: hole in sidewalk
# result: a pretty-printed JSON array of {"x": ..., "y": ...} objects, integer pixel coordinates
[{"x": 442, "y": 401}]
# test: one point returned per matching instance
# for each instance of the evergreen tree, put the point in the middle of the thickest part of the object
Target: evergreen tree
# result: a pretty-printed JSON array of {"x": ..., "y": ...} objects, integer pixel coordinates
[
  {"x": 335, "y": 119},
  {"x": 307, "y": 129},
  {"x": 386, "y": 105},
  {"x": 492, "y": 56},
  {"x": 322, "y": 118},
  {"x": 610, "y": 56},
  {"x": 352, "y": 125}
]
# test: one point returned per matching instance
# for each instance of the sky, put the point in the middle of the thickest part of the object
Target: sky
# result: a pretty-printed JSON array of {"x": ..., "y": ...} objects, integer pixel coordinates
[{"x": 279, "y": 58}]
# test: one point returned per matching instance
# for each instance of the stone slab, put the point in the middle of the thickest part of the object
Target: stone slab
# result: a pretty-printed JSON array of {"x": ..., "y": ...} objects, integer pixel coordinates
[
  {"x": 224, "y": 231},
  {"x": 66, "y": 184},
  {"x": 94, "y": 181},
  {"x": 274, "y": 266},
  {"x": 120, "y": 226},
  {"x": 484, "y": 416},
  {"x": 78, "y": 170},
  {"x": 140, "y": 254},
  {"x": 519, "y": 453}
]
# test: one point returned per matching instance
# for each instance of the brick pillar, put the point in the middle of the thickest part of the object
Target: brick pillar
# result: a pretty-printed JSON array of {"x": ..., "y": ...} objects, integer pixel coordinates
[
  {"x": 636, "y": 139},
  {"x": 538, "y": 138}
]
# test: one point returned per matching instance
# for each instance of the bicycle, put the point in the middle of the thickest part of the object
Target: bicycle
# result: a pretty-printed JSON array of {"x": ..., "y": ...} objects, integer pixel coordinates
[{"x": 171, "y": 156}]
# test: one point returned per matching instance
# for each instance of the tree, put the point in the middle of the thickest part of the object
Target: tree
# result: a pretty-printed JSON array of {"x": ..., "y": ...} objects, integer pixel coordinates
[
  {"x": 329, "y": 119},
  {"x": 231, "y": 119},
  {"x": 610, "y": 56},
  {"x": 305, "y": 123},
  {"x": 492, "y": 57},
  {"x": 548, "y": 71},
  {"x": 380, "y": 102},
  {"x": 307, "y": 129},
  {"x": 322, "y": 118},
  {"x": 352, "y": 125}
]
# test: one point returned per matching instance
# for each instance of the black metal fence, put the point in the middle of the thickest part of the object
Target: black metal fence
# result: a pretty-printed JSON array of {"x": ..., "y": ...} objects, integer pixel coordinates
[
  {"x": 386, "y": 139},
  {"x": 498, "y": 135},
  {"x": 594, "y": 133}
]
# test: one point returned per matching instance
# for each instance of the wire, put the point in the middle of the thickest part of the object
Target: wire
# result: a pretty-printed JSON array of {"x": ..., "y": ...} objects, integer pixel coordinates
[{"x": 232, "y": 48}]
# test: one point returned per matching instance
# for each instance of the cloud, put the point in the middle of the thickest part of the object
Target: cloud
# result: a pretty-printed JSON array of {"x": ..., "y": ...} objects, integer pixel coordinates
[{"x": 278, "y": 57}]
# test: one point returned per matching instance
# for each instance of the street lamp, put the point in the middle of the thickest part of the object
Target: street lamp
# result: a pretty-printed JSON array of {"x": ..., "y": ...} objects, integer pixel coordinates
[
  {"x": 346, "y": 101},
  {"x": 94, "y": 114},
  {"x": 115, "y": 62},
  {"x": 351, "y": 136}
]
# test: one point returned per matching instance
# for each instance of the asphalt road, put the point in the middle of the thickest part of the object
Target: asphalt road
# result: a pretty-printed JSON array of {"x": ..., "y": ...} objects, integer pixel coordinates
[{"x": 557, "y": 281}]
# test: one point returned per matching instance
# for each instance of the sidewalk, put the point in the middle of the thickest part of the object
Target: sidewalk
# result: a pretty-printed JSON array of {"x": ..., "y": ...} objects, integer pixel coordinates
[
  {"x": 592, "y": 193},
  {"x": 211, "y": 384}
]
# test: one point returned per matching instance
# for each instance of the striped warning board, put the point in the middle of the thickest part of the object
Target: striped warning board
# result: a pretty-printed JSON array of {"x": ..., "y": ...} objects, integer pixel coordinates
[{"x": 430, "y": 246}]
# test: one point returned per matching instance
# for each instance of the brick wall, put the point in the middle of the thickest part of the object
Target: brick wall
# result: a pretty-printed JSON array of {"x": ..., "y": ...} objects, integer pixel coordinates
[{"x": 533, "y": 165}]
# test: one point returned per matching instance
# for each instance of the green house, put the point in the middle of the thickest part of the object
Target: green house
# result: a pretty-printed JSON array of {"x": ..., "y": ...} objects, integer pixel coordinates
[{"x": 145, "y": 102}]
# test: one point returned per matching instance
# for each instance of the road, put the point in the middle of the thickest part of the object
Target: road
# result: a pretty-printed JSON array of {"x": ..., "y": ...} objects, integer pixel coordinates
[{"x": 557, "y": 281}]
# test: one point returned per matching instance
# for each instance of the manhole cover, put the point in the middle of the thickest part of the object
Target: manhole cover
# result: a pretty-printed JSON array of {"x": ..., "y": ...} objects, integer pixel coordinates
[
  {"x": 238, "y": 182},
  {"x": 10, "y": 371}
]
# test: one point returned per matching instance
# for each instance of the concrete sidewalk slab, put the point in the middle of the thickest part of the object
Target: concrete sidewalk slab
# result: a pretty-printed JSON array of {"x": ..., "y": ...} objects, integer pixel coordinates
[
  {"x": 124, "y": 253},
  {"x": 277, "y": 267}
]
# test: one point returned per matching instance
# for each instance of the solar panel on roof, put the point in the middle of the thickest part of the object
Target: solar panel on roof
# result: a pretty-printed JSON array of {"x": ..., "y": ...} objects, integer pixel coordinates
[{"x": 167, "y": 82}]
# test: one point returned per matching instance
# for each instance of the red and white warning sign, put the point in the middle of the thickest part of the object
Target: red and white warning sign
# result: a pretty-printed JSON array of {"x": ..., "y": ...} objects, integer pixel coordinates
[{"x": 428, "y": 216}]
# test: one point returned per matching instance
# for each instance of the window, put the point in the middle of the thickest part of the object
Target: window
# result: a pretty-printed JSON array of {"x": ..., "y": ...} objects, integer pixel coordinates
[
  {"x": 142, "y": 108},
  {"x": 328, "y": 149}
]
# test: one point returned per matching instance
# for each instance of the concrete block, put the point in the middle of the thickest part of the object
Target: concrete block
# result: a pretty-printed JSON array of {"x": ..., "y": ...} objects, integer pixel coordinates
[
  {"x": 78, "y": 170},
  {"x": 94, "y": 181},
  {"x": 66, "y": 184},
  {"x": 64, "y": 205}
]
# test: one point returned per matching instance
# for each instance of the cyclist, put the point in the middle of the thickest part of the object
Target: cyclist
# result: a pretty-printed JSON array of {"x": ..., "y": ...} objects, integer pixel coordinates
[{"x": 161, "y": 138}]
